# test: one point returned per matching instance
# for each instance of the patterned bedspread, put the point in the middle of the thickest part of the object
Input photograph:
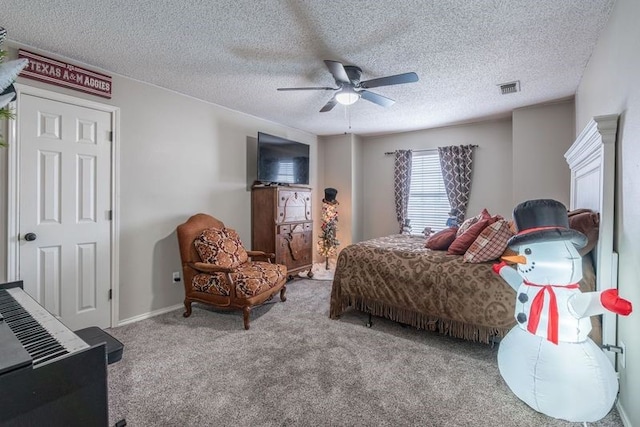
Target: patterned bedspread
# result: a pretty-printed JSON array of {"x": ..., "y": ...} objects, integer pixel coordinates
[{"x": 398, "y": 278}]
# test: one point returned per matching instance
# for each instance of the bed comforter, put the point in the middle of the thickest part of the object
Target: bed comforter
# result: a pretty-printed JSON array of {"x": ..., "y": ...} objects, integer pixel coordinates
[{"x": 398, "y": 278}]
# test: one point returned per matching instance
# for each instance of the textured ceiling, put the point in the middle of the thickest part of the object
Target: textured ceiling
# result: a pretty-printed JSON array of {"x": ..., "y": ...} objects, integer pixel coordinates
[{"x": 235, "y": 53}]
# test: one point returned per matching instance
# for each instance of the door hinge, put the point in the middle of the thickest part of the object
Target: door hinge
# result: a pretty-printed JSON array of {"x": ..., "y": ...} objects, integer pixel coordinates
[
  {"x": 110, "y": 294},
  {"x": 613, "y": 348},
  {"x": 109, "y": 215},
  {"x": 110, "y": 136}
]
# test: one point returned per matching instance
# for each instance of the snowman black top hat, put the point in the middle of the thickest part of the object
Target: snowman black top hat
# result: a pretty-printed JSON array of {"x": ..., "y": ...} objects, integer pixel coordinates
[
  {"x": 330, "y": 196},
  {"x": 543, "y": 219}
]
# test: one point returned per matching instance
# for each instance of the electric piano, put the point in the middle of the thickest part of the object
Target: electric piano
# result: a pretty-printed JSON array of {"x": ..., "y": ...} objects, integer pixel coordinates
[{"x": 48, "y": 375}]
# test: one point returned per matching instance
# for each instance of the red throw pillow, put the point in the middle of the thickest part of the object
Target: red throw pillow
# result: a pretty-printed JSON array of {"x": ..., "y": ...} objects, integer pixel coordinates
[
  {"x": 467, "y": 223},
  {"x": 441, "y": 240},
  {"x": 466, "y": 239}
]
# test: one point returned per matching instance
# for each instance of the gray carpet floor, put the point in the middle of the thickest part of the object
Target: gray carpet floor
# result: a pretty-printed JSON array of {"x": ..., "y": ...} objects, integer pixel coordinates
[{"x": 297, "y": 367}]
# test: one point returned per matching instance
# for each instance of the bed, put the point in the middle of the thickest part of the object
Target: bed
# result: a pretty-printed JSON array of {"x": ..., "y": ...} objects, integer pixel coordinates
[{"x": 396, "y": 277}]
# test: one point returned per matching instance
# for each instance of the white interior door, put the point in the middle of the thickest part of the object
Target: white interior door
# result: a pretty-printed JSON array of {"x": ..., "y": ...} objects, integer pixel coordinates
[{"x": 64, "y": 209}]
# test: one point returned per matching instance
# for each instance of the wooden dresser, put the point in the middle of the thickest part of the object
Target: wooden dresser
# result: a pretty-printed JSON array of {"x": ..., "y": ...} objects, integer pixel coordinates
[{"x": 281, "y": 223}]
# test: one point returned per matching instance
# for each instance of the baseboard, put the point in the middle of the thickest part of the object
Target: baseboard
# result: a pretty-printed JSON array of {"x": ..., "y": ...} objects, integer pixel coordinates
[
  {"x": 623, "y": 415},
  {"x": 149, "y": 314}
]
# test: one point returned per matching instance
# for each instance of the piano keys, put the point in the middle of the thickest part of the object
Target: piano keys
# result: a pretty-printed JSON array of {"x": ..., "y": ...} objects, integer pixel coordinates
[
  {"x": 48, "y": 375},
  {"x": 43, "y": 336}
]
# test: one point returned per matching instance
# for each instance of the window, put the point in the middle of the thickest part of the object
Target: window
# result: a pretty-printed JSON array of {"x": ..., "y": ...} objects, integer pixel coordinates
[
  {"x": 428, "y": 202},
  {"x": 285, "y": 171}
]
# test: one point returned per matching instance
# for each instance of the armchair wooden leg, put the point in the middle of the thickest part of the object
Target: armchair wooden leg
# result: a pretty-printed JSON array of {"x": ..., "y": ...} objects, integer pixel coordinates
[
  {"x": 245, "y": 316},
  {"x": 282, "y": 291},
  {"x": 187, "y": 306}
]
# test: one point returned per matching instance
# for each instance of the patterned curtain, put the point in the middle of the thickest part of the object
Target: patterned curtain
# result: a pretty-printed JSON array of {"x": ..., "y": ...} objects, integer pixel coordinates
[
  {"x": 402, "y": 184},
  {"x": 456, "y": 165}
]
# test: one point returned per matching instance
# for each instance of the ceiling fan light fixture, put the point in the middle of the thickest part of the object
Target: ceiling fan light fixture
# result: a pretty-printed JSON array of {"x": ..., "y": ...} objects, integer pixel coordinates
[
  {"x": 349, "y": 88},
  {"x": 347, "y": 96}
]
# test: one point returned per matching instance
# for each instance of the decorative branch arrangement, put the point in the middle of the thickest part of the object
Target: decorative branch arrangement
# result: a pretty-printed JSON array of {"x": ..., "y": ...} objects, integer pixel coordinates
[{"x": 8, "y": 73}]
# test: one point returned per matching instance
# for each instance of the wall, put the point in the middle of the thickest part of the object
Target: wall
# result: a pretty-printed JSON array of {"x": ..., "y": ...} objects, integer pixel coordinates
[
  {"x": 611, "y": 85},
  {"x": 178, "y": 156},
  {"x": 357, "y": 192},
  {"x": 541, "y": 136},
  {"x": 492, "y": 173},
  {"x": 338, "y": 174}
]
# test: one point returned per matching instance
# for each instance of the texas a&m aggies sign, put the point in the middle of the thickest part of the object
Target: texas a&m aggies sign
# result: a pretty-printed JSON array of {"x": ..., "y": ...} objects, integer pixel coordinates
[{"x": 62, "y": 74}]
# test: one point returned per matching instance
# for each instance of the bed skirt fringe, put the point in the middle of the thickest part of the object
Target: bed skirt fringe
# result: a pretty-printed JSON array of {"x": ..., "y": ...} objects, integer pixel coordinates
[{"x": 447, "y": 327}]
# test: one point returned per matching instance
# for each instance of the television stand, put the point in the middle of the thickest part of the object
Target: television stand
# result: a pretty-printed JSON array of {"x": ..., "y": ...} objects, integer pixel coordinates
[{"x": 281, "y": 223}]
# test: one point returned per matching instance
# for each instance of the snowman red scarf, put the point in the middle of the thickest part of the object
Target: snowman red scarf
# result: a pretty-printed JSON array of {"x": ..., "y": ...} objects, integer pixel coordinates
[
  {"x": 536, "y": 309},
  {"x": 609, "y": 300}
]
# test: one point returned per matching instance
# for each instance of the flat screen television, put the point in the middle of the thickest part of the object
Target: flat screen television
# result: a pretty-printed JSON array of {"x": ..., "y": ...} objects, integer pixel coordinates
[{"x": 281, "y": 161}]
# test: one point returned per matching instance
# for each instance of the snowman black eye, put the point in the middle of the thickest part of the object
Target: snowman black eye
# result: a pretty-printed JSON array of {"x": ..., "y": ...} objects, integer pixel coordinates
[{"x": 527, "y": 251}]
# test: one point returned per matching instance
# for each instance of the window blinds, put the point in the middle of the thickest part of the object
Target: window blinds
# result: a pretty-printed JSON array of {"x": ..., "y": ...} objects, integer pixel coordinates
[{"x": 428, "y": 202}]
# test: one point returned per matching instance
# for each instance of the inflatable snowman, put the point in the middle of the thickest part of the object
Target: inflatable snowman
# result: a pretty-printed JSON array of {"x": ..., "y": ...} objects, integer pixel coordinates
[{"x": 547, "y": 359}]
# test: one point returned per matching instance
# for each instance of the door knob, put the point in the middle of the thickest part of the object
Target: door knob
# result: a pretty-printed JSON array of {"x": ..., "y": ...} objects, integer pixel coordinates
[{"x": 30, "y": 237}]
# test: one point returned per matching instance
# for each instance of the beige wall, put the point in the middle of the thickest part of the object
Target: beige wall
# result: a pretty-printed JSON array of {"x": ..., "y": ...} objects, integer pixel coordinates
[
  {"x": 178, "y": 156},
  {"x": 492, "y": 175},
  {"x": 338, "y": 174},
  {"x": 341, "y": 161},
  {"x": 541, "y": 136},
  {"x": 611, "y": 85},
  {"x": 358, "y": 189}
]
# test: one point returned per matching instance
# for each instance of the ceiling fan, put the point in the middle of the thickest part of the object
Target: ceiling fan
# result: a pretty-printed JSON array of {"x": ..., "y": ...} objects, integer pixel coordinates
[{"x": 350, "y": 88}]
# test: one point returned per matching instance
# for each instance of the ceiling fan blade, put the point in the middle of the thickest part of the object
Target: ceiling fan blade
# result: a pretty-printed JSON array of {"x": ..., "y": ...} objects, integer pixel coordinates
[
  {"x": 337, "y": 70},
  {"x": 329, "y": 105},
  {"x": 376, "y": 99},
  {"x": 390, "y": 80},
  {"x": 307, "y": 88}
]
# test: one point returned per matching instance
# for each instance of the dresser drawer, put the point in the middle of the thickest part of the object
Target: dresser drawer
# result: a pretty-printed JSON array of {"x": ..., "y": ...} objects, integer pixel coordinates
[
  {"x": 285, "y": 228},
  {"x": 293, "y": 205},
  {"x": 294, "y": 250},
  {"x": 294, "y": 198}
]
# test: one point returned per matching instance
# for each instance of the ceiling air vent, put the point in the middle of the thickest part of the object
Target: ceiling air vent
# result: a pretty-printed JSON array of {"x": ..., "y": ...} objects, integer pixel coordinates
[{"x": 511, "y": 87}]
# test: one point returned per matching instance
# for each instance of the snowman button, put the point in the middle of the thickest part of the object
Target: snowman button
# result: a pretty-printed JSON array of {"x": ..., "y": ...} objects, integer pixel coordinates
[
  {"x": 521, "y": 317},
  {"x": 523, "y": 297}
]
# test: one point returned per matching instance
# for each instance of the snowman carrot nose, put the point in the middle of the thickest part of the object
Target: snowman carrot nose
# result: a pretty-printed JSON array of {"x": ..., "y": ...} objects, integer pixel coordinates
[{"x": 518, "y": 259}]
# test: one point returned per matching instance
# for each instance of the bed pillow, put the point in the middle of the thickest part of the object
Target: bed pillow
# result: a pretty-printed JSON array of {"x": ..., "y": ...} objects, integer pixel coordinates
[
  {"x": 490, "y": 243},
  {"x": 588, "y": 223},
  {"x": 466, "y": 239},
  {"x": 467, "y": 223},
  {"x": 577, "y": 211},
  {"x": 441, "y": 240}
]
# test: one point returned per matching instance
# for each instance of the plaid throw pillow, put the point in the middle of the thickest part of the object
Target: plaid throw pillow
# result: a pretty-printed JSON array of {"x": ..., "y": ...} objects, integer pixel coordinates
[{"x": 490, "y": 243}]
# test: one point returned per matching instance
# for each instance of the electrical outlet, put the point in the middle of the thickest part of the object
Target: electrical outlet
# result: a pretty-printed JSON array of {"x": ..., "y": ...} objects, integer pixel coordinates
[
  {"x": 176, "y": 276},
  {"x": 623, "y": 355}
]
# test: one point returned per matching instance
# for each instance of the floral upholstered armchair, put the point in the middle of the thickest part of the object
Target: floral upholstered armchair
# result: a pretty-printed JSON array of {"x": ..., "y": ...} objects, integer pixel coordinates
[{"x": 217, "y": 270}]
